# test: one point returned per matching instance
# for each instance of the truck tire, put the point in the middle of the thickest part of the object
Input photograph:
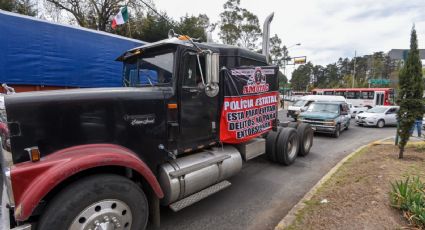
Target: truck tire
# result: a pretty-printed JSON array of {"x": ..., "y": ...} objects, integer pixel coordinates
[
  {"x": 305, "y": 138},
  {"x": 293, "y": 125},
  {"x": 337, "y": 131},
  {"x": 271, "y": 142},
  {"x": 287, "y": 146},
  {"x": 108, "y": 199}
]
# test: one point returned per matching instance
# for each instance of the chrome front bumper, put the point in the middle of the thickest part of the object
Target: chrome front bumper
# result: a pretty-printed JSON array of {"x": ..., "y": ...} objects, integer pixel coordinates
[{"x": 320, "y": 127}]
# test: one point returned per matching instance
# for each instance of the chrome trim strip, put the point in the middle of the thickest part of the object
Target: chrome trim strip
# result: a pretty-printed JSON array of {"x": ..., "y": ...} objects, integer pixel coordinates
[
  {"x": 6, "y": 175},
  {"x": 22, "y": 227},
  {"x": 5, "y": 214},
  {"x": 8, "y": 183}
]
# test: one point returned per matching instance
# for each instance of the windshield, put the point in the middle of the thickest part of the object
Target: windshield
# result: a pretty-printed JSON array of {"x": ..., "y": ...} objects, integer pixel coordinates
[
  {"x": 299, "y": 103},
  {"x": 322, "y": 107},
  {"x": 377, "y": 110},
  {"x": 149, "y": 70}
]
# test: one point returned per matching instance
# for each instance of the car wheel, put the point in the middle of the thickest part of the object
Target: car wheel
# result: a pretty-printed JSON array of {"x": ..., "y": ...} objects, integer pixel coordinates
[
  {"x": 108, "y": 201},
  {"x": 337, "y": 131},
  {"x": 305, "y": 138},
  {"x": 380, "y": 123}
]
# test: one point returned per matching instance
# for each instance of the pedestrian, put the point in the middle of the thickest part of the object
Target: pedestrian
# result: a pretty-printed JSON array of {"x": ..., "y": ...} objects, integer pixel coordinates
[{"x": 418, "y": 126}]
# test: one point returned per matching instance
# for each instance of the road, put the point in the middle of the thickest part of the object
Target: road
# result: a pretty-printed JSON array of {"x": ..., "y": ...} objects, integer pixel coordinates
[{"x": 263, "y": 192}]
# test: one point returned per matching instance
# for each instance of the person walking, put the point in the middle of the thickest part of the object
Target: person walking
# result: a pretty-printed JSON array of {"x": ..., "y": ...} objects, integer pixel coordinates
[{"x": 418, "y": 126}]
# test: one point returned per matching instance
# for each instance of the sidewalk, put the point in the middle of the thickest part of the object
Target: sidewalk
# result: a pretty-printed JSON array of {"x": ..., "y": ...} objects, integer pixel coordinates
[{"x": 356, "y": 196}]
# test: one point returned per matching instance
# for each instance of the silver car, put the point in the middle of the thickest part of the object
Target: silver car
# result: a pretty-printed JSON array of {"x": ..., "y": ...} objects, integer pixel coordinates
[{"x": 378, "y": 116}]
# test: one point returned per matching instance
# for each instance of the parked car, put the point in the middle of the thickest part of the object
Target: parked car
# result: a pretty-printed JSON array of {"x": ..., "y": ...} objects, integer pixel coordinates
[
  {"x": 302, "y": 103},
  {"x": 378, "y": 116},
  {"x": 354, "y": 110},
  {"x": 327, "y": 117}
]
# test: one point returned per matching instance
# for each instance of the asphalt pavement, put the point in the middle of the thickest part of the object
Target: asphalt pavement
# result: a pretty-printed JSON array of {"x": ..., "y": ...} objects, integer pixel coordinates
[{"x": 263, "y": 192}]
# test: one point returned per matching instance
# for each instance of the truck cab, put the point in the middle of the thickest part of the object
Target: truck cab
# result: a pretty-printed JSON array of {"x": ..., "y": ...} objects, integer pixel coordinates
[{"x": 187, "y": 118}]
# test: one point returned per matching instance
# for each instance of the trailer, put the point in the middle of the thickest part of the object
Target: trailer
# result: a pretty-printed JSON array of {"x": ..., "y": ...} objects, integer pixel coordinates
[
  {"x": 41, "y": 55},
  {"x": 190, "y": 115}
]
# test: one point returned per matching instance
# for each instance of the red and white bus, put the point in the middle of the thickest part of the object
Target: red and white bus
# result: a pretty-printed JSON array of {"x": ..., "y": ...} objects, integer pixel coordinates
[{"x": 360, "y": 97}]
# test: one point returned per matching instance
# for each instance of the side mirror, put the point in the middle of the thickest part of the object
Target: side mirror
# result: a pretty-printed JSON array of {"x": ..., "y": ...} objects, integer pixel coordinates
[{"x": 212, "y": 67}]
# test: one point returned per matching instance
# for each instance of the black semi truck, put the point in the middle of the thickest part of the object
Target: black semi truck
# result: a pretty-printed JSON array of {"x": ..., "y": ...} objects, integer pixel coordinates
[{"x": 107, "y": 158}]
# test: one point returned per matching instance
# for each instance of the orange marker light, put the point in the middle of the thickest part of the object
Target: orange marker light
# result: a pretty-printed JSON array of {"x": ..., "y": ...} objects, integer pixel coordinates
[
  {"x": 34, "y": 153},
  {"x": 172, "y": 106}
]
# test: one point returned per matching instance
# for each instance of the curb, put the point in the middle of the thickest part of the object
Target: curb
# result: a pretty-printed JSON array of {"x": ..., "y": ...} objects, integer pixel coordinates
[{"x": 291, "y": 216}]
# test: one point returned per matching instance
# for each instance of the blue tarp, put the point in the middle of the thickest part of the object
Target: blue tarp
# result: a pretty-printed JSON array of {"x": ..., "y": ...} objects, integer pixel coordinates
[{"x": 37, "y": 52}]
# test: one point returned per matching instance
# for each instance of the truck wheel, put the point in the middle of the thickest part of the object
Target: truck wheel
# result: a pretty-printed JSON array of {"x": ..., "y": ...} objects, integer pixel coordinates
[
  {"x": 293, "y": 125},
  {"x": 305, "y": 138},
  {"x": 337, "y": 131},
  {"x": 271, "y": 142},
  {"x": 104, "y": 201},
  {"x": 287, "y": 146}
]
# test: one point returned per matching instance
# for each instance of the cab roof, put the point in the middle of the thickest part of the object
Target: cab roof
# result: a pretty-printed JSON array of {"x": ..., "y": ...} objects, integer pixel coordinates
[{"x": 223, "y": 49}]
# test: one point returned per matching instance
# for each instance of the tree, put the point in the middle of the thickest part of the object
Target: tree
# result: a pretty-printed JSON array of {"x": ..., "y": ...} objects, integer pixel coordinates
[
  {"x": 154, "y": 28},
  {"x": 26, "y": 7},
  {"x": 195, "y": 27},
  {"x": 94, "y": 14},
  {"x": 238, "y": 26},
  {"x": 301, "y": 77},
  {"x": 230, "y": 19},
  {"x": 410, "y": 93},
  {"x": 277, "y": 52},
  {"x": 249, "y": 30}
]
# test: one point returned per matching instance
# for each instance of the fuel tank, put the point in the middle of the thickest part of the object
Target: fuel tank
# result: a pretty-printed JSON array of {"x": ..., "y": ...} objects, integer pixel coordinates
[{"x": 186, "y": 175}]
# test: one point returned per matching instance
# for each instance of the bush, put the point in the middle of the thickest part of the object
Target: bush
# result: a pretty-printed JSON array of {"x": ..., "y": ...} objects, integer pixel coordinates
[{"x": 409, "y": 196}]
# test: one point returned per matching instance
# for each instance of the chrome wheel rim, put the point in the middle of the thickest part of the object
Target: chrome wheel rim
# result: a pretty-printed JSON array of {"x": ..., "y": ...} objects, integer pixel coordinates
[
  {"x": 292, "y": 147},
  {"x": 308, "y": 140},
  {"x": 108, "y": 214}
]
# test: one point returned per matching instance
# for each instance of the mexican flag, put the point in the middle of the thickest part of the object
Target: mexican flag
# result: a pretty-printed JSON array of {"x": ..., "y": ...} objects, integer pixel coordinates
[{"x": 120, "y": 18}]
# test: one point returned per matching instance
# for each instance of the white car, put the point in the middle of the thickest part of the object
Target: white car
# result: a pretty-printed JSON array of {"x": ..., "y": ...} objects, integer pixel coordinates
[
  {"x": 378, "y": 116},
  {"x": 354, "y": 110}
]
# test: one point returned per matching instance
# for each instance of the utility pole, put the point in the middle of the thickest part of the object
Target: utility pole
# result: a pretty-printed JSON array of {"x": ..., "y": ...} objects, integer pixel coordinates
[{"x": 354, "y": 70}]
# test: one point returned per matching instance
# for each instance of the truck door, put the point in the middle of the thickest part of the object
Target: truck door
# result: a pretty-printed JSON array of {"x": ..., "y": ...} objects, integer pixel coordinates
[{"x": 197, "y": 111}]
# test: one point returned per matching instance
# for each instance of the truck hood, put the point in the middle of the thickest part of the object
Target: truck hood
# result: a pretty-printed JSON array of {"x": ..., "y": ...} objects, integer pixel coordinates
[
  {"x": 318, "y": 115},
  {"x": 53, "y": 120}
]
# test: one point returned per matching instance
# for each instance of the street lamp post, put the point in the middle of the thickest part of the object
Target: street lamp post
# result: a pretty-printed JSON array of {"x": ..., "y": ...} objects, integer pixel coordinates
[{"x": 285, "y": 56}]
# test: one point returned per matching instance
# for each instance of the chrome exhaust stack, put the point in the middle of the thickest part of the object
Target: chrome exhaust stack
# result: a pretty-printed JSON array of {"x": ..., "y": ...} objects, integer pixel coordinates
[{"x": 266, "y": 36}]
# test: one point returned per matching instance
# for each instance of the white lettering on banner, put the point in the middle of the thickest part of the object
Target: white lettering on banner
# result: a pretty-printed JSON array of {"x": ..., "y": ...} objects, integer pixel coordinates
[
  {"x": 265, "y": 100},
  {"x": 237, "y": 105}
]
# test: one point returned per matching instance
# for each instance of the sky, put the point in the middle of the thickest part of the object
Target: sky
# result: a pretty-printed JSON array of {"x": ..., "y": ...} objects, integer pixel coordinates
[{"x": 326, "y": 29}]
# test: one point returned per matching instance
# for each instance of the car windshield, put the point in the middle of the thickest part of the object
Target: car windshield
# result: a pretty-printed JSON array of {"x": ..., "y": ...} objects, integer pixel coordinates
[
  {"x": 299, "y": 103},
  {"x": 323, "y": 107},
  {"x": 377, "y": 110},
  {"x": 149, "y": 70}
]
